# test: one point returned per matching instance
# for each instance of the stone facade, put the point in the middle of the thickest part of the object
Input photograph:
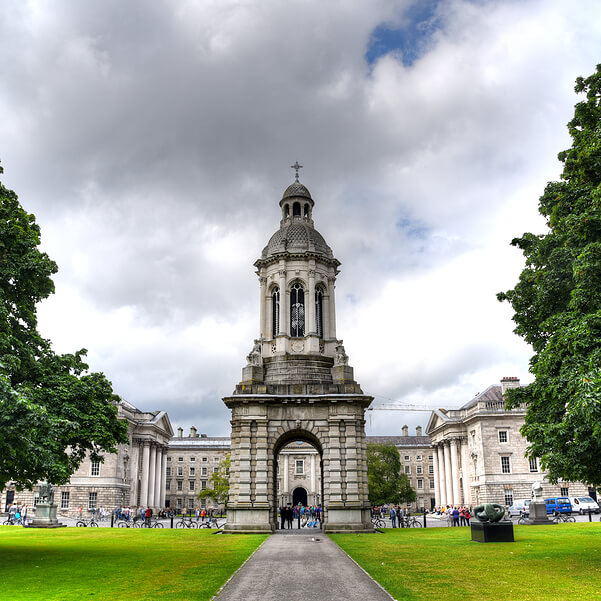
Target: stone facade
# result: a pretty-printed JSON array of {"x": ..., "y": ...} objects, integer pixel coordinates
[{"x": 479, "y": 453}]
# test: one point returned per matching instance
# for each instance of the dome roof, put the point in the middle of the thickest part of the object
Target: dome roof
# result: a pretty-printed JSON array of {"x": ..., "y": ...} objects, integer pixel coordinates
[
  {"x": 297, "y": 237},
  {"x": 296, "y": 189}
]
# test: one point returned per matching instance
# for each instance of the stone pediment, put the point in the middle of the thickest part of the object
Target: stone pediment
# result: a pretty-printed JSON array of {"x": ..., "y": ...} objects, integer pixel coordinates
[{"x": 437, "y": 419}]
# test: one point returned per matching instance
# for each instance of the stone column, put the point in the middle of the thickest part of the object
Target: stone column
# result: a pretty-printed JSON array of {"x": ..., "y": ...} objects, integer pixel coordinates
[
  {"x": 437, "y": 496},
  {"x": 313, "y": 475},
  {"x": 145, "y": 473},
  {"x": 263, "y": 307},
  {"x": 310, "y": 304},
  {"x": 158, "y": 478},
  {"x": 261, "y": 465},
  {"x": 447, "y": 473},
  {"x": 152, "y": 475},
  {"x": 455, "y": 472},
  {"x": 467, "y": 497},
  {"x": 332, "y": 311},
  {"x": 285, "y": 476},
  {"x": 441, "y": 474},
  {"x": 163, "y": 477},
  {"x": 284, "y": 309}
]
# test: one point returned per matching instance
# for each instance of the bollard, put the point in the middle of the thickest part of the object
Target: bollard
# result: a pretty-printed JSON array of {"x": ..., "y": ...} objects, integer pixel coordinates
[
  {"x": 172, "y": 521},
  {"x": 424, "y": 519},
  {"x": 589, "y": 516},
  {"x": 112, "y": 519}
]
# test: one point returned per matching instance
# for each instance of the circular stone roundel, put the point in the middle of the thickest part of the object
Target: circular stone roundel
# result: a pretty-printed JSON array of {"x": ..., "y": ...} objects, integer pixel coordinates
[{"x": 297, "y": 347}]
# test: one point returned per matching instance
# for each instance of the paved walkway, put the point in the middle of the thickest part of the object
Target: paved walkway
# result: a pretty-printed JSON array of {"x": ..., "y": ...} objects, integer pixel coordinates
[{"x": 301, "y": 568}]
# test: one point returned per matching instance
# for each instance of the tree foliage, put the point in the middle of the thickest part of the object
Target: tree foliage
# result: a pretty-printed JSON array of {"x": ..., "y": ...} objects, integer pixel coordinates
[
  {"x": 385, "y": 481},
  {"x": 52, "y": 411},
  {"x": 557, "y": 304},
  {"x": 219, "y": 481}
]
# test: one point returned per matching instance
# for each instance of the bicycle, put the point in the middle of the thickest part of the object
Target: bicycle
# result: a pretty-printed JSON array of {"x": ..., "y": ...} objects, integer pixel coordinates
[
  {"x": 128, "y": 524},
  {"x": 412, "y": 522},
  {"x": 85, "y": 523},
  {"x": 152, "y": 523},
  {"x": 563, "y": 517},
  {"x": 523, "y": 519},
  {"x": 378, "y": 523},
  {"x": 186, "y": 524},
  {"x": 211, "y": 523}
]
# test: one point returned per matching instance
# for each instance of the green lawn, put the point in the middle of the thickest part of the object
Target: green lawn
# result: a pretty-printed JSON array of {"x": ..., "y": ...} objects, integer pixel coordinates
[
  {"x": 546, "y": 563},
  {"x": 118, "y": 564}
]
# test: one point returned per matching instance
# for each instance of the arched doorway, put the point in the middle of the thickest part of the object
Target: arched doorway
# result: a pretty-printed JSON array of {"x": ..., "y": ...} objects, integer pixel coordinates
[{"x": 299, "y": 496}]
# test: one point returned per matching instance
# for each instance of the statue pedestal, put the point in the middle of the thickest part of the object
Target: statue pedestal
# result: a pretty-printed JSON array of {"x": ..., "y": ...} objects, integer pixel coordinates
[
  {"x": 495, "y": 532},
  {"x": 45, "y": 517},
  {"x": 538, "y": 514}
]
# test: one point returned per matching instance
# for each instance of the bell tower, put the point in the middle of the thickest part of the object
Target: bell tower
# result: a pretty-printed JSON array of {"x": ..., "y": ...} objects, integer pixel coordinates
[{"x": 297, "y": 384}]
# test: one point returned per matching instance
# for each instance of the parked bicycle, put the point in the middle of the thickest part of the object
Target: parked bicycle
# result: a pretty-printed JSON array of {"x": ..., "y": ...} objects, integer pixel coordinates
[
  {"x": 211, "y": 523},
  {"x": 128, "y": 524},
  {"x": 151, "y": 523},
  {"x": 378, "y": 522},
  {"x": 563, "y": 517},
  {"x": 183, "y": 523},
  {"x": 524, "y": 518},
  {"x": 85, "y": 523},
  {"x": 14, "y": 521},
  {"x": 412, "y": 522}
]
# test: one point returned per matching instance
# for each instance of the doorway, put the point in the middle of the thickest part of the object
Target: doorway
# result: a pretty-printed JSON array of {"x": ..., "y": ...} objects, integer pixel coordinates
[{"x": 299, "y": 496}]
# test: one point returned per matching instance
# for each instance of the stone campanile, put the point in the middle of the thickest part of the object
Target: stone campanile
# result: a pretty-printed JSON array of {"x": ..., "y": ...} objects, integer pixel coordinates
[{"x": 297, "y": 384}]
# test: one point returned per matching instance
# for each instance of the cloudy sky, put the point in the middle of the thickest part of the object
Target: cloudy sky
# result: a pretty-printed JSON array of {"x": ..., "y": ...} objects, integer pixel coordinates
[{"x": 152, "y": 140}]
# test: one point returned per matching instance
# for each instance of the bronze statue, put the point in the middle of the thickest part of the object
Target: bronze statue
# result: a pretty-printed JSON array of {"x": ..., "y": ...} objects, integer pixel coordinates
[{"x": 489, "y": 512}]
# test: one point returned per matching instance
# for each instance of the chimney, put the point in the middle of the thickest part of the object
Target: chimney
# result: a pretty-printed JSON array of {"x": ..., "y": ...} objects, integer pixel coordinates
[
  {"x": 509, "y": 382},
  {"x": 203, "y": 436},
  {"x": 418, "y": 431},
  {"x": 405, "y": 430},
  {"x": 180, "y": 432},
  {"x": 192, "y": 432}
]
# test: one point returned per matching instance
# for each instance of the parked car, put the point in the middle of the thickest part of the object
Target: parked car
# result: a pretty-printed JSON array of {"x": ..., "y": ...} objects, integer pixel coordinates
[
  {"x": 558, "y": 505},
  {"x": 519, "y": 507},
  {"x": 584, "y": 505}
]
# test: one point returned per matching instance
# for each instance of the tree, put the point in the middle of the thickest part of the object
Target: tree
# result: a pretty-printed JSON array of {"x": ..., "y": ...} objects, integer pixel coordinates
[
  {"x": 220, "y": 484},
  {"x": 52, "y": 411},
  {"x": 557, "y": 304},
  {"x": 385, "y": 481}
]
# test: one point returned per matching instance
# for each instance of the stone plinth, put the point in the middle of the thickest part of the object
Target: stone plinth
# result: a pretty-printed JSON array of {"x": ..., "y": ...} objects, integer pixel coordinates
[
  {"x": 45, "y": 517},
  {"x": 538, "y": 514},
  {"x": 496, "y": 532}
]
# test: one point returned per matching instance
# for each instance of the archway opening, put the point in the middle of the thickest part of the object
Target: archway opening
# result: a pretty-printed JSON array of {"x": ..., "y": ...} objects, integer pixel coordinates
[{"x": 297, "y": 478}]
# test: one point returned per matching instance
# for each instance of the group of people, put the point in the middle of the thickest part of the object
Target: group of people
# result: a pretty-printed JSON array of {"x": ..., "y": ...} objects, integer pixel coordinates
[
  {"x": 305, "y": 516},
  {"x": 17, "y": 512},
  {"x": 459, "y": 515}
]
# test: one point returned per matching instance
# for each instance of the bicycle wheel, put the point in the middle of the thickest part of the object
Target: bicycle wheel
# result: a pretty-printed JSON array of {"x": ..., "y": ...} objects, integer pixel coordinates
[
  {"x": 379, "y": 524},
  {"x": 7, "y": 523},
  {"x": 94, "y": 524},
  {"x": 81, "y": 524},
  {"x": 122, "y": 525},
  {"x": 180, "y": 525},
  {"x": 157, "y": 525},
  {"x": 193, "y": 525},
  {"x": 416, "y": 524},
  {"x": 570, "y": 518}
]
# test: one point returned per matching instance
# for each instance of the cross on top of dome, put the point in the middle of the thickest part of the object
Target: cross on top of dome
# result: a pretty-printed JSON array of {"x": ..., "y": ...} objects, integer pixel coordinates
[{"x": 296, "y": 166}]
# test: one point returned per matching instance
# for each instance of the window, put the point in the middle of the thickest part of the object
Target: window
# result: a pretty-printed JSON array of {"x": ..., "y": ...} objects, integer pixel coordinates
[
  {"x": 296, "y": 209},
  {"x": 419, "y": 469},
  {"x": 191, "y": 486},
  {"x": 533, "y": 461},
  {"x": 407, "y": 469},
  {"x": 216, "y": 459},
  {"x": 168, "y": 471},
  {"x": 168, "y": 459},
  {"x": 192, "y": 471},
  {"x": 430, "y": 457},
  {"x": 168, "y": 485},
  {"x": 180, "y": 459},
  {"x": 502, "y": 435},
  {"x": 204, "y": 471},
  {"x": 192, "y": 459},
  {"x": 205, "y": 459},
  {"x": 64, "y": 500},
  {"x": 407, "y": 457},
  {"x": 275, "y": 312},
  {"x": 179, "y": 503},
  {"x": 297, "y": 311},
  {"x": 418, "y": 458},
  {"x": 505, "y": 465},
  {"x": 215, "y": 470},
  {"x": 95, "y": 468},
  {"x": 300, "y": 466},
  {"x": 306, "y": 210},
  {"x": 508, "y": 497},
  {"x": 180, "y": 485},
  {"x": 203, "y": 503},
  {"x": 420, "y": 483},
  {"x": 430, "y": 469},
  {"x": 203, "y": 484},
  {"x": 431, "y": 483},
  {"x": 319, "y": 312},
  {"x": 564, "y": 491},
  {"x": 180, "y": 471},
  {"x": 92, "y": 500}
]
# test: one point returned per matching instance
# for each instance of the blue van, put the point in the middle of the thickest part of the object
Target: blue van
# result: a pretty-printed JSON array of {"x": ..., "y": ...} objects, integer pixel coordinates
[{"x": 558, "y": 505}]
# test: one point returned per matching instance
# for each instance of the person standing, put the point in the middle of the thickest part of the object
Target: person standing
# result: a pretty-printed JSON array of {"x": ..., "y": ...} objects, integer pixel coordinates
[
  {"x": 393, "y": 516},
  {"x": 401, "y": 517},
  {"x": 455, "y": 514},
  {"x": 282, "y": 517}
]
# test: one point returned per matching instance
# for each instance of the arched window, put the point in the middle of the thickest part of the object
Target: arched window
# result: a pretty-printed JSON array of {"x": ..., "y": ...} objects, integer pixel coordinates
[
  {"x": 307, "y": 210},
  {"x": 296, "y": 209},
  {"x": 319, "y": 312},
  {"x": 287, "y": 210},
  {"x": 275, "y": 312},
  {"x": 297, "y": 311}
]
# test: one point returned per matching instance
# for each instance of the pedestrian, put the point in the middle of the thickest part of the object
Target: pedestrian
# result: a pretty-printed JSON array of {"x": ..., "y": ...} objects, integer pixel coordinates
[
  {"x": 401, "y": 517},
  {"x": 455, "y": 514},
  {"x": 393, "y": 516}
]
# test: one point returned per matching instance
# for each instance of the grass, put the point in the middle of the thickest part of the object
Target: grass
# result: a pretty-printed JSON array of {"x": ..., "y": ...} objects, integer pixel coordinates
[
  {"x": 117, "y": 564},
  {"x": 545, "y": 563}
]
